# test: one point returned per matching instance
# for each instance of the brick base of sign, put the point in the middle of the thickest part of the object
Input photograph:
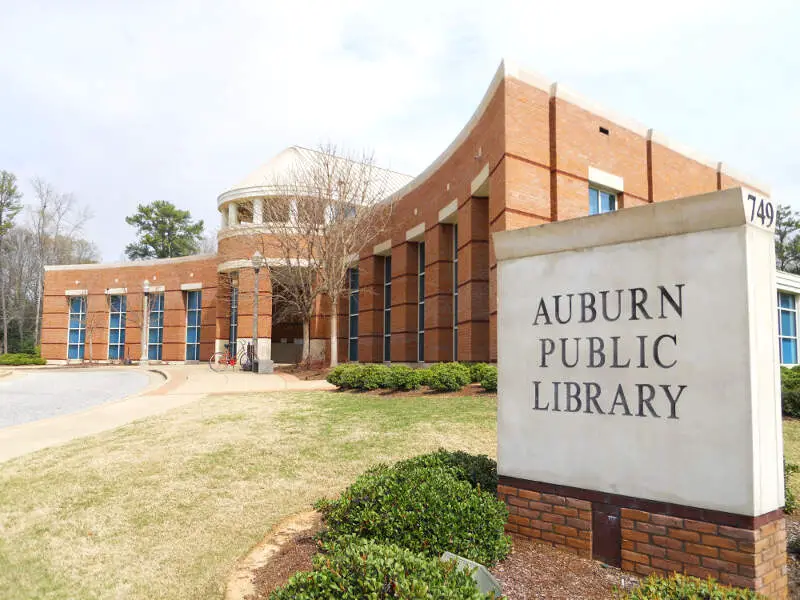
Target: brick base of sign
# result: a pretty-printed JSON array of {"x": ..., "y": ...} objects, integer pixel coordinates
[{"x": 644, "y": 537}]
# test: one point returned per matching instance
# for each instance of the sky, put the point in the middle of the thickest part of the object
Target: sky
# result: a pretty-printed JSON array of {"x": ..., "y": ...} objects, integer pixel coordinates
[{"x": 121, "y": 103}]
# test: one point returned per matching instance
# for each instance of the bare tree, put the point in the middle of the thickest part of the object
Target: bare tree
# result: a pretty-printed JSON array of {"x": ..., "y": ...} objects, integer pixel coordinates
[
  {"x": 55, "y": 217},
  {"x": 10, "y": 206},
  {"x": 329, "y": 208}
]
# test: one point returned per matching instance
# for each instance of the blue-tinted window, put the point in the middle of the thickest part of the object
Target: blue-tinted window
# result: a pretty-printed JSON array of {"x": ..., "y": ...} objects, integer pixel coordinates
[
  {"x": 787, "y": 328},
  {"x": 601, "y": 201},
  {"x": 116, "y": 327},
  {"x": 352, "y": 342},
  {"x": 193, "y": 302},
  {"x": 155, "y": 335},
  {"x": 233, "y": 330},
  {"x": 76, "y": 335}
]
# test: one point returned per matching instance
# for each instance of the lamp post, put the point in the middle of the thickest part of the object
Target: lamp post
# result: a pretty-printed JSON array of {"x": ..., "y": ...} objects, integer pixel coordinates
[
  {"x": 258, "y": 262},
  {"x": 145, "y": 319}
]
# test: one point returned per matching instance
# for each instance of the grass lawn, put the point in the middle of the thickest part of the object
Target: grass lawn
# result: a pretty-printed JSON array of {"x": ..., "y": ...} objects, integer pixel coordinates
[
  {"x": 164, "y": 507},
  {"x": 791, "y": 449}
]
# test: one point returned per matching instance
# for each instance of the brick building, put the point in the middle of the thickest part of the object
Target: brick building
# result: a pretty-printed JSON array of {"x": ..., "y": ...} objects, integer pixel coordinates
[{"x": 533, "y": 152}]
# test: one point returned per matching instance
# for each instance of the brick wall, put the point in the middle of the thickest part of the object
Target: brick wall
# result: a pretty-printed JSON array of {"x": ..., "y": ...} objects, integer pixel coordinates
[{"x": 652, "y": 537}]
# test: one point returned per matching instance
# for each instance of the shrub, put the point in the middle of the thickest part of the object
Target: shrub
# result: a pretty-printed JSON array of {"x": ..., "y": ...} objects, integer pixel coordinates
[
  {"x": 448, "y": 377},
  {"x": 477, "y": 371},
  {"x": 790, "y": 391},
  {"x": 372, "y": 377},
  {"x": 489, "y": 379},
  {"x": 13, "y": 360},
  {"x": 365, "y": 569},
  {"x": 344, "y": 376},
  {"x": 478, "y": 469},
  {"x": 424, "y": 508},
  {"x": 789, "y": 469},
  {"x": 682, "y": 587},
  {"x": 405, "y": 378}
]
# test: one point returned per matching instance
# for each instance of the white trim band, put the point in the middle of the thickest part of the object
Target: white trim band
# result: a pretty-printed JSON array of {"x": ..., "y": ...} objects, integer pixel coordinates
[
  {"x": 116, "y": 291},
  {"x": 197, "y": 285},
  {"x": 76, "y": 292}
]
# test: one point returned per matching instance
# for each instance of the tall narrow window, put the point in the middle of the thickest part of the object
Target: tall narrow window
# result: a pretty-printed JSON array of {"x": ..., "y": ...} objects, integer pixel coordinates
[
  {"x": 352, "y": 342},
  {"x": 77, "y": 327},
  {"x": 116, "y": 327},
  {"x": 155, "y": 337},
  {"x": 233, "y": 330},
  {"x": 787, "y": 328},
  {"x": 455, "y": 292},
  {"x": 601, "y": 201},
  {"x": 421, "y": 302},
  {"x": 387, "y": 309},
  {"x": 193, "y": 299}
]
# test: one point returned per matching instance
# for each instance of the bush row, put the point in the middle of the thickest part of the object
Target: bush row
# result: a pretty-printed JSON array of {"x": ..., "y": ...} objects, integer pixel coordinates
[
  {"x": 441, "y": 377},
  {"x": 383, "y": 536},
  {"x": 15, "y": 360},
  {"x": 683, "y": 587}
]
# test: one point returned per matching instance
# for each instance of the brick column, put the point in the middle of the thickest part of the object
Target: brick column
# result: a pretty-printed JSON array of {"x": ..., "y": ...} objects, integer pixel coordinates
[
  {"x": 370, "y": 309},
  {"x": 439, "y": 293},
  {"x": 473, "y": 280},
  {"x": 404, "y": 302}
]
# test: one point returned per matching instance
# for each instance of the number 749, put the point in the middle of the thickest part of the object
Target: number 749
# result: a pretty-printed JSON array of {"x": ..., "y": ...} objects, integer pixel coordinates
[{"x": 762, "y": 210}]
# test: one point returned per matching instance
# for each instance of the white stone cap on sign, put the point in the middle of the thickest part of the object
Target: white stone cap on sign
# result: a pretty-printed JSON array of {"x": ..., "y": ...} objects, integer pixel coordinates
[
  {"x": 607, "y": 180},
  {"x": 76, "y": 292},
  {"x": 116, "y": 291},
  {"x": 716, "y": 210},
  {"x": 416, "y": 233},
  {"x": 196, "y": 285}
]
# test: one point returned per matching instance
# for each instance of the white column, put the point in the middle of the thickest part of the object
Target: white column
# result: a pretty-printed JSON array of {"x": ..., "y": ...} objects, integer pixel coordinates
[
  {"x": 258, "y": 211},
  {"x": 233, "y": 214},
  {"x": 223, "y": 219}
]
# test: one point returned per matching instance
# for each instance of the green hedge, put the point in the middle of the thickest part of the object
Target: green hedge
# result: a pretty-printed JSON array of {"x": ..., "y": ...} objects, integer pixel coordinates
[
  {"x": 478, "y": 469},
  {"x": 448, "y": 377},
  {"x": 14, "y": 360},
  {"x": 682, "y": 587},
  {"x": 405, "y": 378},
  {"x": 790, "y": 391},
  {"x": 489, "y": 379},
  {"x": 477, "y": 371},
  {"x": 366, "y": 569},
  {"x": 426, "y": 508}
]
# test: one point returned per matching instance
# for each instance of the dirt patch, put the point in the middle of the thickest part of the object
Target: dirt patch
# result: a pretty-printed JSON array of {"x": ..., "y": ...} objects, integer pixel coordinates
[
  {"x": 304, "y": 372},
  {"x": 534, "y": 571},
  {"x": 287, "y": 549}
]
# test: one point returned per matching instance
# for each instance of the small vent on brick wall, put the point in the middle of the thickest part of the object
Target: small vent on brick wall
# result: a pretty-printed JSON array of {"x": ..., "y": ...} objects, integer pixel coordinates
[{"x": 604, "y": 131}]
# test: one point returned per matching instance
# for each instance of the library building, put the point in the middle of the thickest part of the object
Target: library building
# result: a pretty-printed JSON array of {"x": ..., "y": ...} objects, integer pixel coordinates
[{"x": 533, "y": 152}]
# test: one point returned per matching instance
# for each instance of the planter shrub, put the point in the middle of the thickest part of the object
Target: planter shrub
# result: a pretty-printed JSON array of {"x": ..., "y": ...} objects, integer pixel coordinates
[
  {"x": 477, "y": 469},
  {"x": 790, "y": 391},
  {"x": 477, "y": 371},
  {"x": 682, "y": 587},
  {"x": 405, "y": 378},
  {"x": 372, "y": 377},
  {"x": 365, "y": 569},
  {"x": 489, "y": 379},
  {"x": 448, "y": 377},
  {"x": 425, "y": 508},
  {"x": 15, "y": 360}
]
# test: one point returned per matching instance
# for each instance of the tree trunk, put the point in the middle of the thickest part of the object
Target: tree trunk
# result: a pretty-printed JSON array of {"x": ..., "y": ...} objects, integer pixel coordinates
[
  {"x": 5, "y": 313},
  {"x": 306, "y": 341},
  {"x": 334, "y": 334}
]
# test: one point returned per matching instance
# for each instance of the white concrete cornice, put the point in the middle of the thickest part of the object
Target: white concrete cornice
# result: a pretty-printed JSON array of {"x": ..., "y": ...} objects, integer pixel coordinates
[
  {"x": 195, "y": 285},
  {"x": 746, "y": 179},
  {"x": 132, "y": 264},
  {"x": 76, "y": 292},
  {"x": 118, "y": 291},
  {"x": 243, "y": 264},
  {"x": 787, "y": 282},
  {"x": 560, "y": 92},
  {"x": 662, "y": 140}
]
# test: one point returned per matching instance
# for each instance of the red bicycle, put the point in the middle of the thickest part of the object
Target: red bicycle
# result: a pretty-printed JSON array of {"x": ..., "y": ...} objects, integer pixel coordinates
[{"x": 221, "y": 361}]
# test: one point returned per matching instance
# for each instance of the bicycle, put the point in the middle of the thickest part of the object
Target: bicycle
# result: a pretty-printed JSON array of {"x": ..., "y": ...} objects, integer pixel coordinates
[{"x": 220, "y": 361}]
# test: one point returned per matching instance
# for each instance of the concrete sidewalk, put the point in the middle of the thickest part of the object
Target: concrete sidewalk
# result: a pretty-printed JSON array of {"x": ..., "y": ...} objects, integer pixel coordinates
[{"x": 171, "y": 386}]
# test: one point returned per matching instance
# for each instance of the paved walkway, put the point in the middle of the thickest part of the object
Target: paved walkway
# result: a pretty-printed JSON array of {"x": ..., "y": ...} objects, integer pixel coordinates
[{"x": 170, "y": 386}]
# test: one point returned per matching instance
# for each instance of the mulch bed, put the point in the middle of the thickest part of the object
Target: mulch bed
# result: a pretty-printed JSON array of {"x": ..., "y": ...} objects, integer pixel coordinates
[
  {"x": 304, "y": 372},
  {"x": 532, "y": 571}
]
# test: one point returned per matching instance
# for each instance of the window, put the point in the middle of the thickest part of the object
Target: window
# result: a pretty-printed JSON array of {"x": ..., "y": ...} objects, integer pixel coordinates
[
  {"x": 787, "y": 328},
  {"x": 601, "y": 201},
  {"x": 352, "y": 342},
  {"x": 193, "y": 301},
  {"x": 77, "y": 327},
  {"x": 387, "y": 309},
  {"x": 116, "y": 328},
  {"x": 421, "y": 302},
  {"x": 233, "y": 330},
  {"x": 455, "y": 292},
  {"x": 155, "y": 336}
]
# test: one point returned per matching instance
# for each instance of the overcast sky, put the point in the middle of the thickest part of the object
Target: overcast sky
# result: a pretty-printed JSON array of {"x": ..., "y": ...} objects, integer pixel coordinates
[{"x": 128, "y": 102}]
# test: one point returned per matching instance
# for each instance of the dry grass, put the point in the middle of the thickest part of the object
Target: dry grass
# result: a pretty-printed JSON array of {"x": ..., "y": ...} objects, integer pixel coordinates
[
  {"x": 164, "y": 507},
  {"x": 791, "y": 449}
]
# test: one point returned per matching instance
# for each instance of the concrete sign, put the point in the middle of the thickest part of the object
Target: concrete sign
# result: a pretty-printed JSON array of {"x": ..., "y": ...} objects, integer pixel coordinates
[{"x": 637, "y": 354}]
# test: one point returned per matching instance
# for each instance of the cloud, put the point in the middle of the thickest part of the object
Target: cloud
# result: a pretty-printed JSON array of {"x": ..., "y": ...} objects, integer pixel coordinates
[{"x": 123, "y": 103}]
